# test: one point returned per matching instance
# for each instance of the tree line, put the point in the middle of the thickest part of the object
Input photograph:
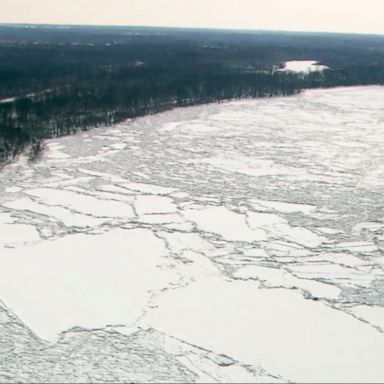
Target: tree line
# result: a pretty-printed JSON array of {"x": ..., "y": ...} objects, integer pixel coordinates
[{"x": 89, "y": 77}]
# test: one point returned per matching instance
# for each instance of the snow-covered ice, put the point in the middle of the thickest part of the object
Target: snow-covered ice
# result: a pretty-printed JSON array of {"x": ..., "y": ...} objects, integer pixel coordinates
[
  {"x": 303, "y": 66},
  {"x": 77, "y": 280},
  {"x": 220, "y": 243},
  {"x": 300, "y": 339}
]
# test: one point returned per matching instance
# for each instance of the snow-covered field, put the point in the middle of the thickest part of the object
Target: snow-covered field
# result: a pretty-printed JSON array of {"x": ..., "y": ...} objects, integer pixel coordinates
[
  {"x": 303, "y": 66},
  {"x": 237, "y": 242}
]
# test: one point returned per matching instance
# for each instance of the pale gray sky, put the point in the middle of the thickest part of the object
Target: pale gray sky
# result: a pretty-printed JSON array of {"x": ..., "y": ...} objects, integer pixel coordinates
[{"x": 363, "y": 16}]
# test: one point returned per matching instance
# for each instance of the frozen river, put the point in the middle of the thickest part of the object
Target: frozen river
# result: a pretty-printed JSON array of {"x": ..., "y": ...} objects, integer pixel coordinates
[{"x": 235, "y": 242}]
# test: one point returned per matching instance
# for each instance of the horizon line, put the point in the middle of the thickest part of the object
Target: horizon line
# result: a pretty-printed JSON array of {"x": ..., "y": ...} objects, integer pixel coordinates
[{"x": 48, "y": 24}]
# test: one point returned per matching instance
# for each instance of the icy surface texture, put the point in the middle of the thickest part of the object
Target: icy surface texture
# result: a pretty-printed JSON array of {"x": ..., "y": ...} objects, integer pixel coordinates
[{"x": 240, "y": 242}]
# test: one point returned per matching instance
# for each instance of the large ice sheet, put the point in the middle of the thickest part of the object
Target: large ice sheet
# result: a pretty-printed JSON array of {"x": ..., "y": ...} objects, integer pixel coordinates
[
  {"x": 78, "y": 281},
  {"x": 299, "y": 339}
]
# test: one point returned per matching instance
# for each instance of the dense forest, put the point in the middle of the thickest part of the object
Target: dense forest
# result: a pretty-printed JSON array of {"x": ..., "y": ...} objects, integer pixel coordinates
[{"x": 55, "y": 80}]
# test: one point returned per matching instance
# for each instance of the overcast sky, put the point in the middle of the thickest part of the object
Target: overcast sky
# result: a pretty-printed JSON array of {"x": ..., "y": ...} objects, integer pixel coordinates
[{"x": 365, "y": 16}]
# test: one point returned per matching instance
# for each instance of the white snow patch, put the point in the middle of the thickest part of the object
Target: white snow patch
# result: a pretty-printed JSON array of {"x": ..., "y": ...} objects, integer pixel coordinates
[
  {"x": 302, "y": 340},
  {"x": 12, "y": 235},
  {"x": 149, "y": 204},
  {"x": 373, "y": 314},
  {"x": 55, "y": 151},
  {"x": 303, "y": 66},
  {"x": 277, "y": 277},
  {"x": 298, "y": 235},
  {"x": 282, "y": 206},
  {"x": 161, "y": 219},
  {"x": 119, "y": 146},
  {"x": 277, "y": 226},
  {"x": 260, "y": 220},
  {"x": 358, "y": 246},
  {"x": 82, "y": 280},
  {"x": 329, "y": 231},
  {"x": 178, "y": 242},
  {"x": 220, "y": 220},
  {"x": 339, "y": 258},
  {"x": 149, "y": 188},
  {"x": 113, "y": 178},
  {"x": 251, "y": 166},
  {"x": 6, "y": 218},
  {"x": 82, "y": 203},
  {"x": 332, "y": 272},
  {"x": 13, "y": 189},
  {"x": 64, "y": 215},
  {"x": 8, "y": 100}
]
